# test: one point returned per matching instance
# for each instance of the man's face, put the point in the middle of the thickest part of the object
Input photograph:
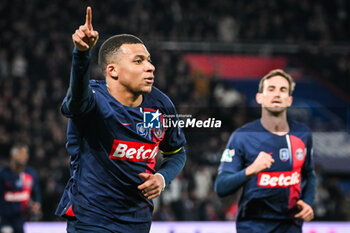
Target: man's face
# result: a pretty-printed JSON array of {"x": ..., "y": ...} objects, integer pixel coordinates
[
  {"x": 20, "y": 157},
  {"x": 134, "y": 68},
  {"x": 275, "y": 96}
]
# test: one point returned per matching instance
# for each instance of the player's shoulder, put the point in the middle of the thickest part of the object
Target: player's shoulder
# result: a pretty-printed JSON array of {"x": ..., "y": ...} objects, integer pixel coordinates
[
  {"x": 241, "y": 134},
  {"x": 4, "y": 170},
  {"x": 298, "y": 127},
  {"x": 249, "y": 127},
  {"x": 99, "y": 88},
  {"x": 94, "y": 83},
  {"x": 159, "y": 95},
  {"x": 31, "y": 171},
  {"x": 158, "y": 99}
]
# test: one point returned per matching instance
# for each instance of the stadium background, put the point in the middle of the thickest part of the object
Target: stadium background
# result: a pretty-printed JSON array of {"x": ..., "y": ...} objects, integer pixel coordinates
[{"x": 208, "y": 57}]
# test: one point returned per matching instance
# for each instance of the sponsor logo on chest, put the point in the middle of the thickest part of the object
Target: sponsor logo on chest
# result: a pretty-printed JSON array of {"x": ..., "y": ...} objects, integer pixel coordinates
[
  {"x": 17, "y": 196},
  {"x": 133, "y": 151},
  {"x": 278, "y": 179}
]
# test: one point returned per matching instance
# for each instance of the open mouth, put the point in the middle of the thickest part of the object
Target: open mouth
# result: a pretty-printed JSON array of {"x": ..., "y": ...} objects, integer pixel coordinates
[
  {"x": 276, "y": 102},
  {"x": 149, "y": 80}
]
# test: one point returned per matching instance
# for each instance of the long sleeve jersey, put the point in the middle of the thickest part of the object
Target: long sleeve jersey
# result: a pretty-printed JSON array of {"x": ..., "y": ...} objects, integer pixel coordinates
[
  {"x": 272, "y": 193},
  {"x": 110, "y": 145}
]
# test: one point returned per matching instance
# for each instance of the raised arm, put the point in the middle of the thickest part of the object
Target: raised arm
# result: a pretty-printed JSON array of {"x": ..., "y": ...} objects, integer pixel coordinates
[{"x": 79, "y": 96}]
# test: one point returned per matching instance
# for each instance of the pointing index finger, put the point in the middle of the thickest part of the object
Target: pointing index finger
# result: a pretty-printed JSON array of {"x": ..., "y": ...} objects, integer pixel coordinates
[{"x": 88, "y": 20}]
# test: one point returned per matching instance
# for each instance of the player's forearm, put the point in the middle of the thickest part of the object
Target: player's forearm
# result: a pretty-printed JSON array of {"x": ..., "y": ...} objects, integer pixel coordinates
[
  {"x": 250, "y": 171},
  {"x": 79, "y": 91},
  {"x": 36, "y": 197},
  {"x": 172, "y": 165},
  {"x": 228, "y": 183},
  {"x": 309, "y": 190}
]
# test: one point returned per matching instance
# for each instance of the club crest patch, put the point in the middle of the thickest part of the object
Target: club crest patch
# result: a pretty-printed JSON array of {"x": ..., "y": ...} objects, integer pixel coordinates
[
  {"x": 299, "y": 154},
  {"x": 284, "y": 154},
  {"x": 159, "y": 132},
  {"x": 141, "y": 130}
]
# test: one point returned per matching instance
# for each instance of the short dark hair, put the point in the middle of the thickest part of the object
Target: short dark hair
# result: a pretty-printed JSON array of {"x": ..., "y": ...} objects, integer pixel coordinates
[
  {"x": 277, "y": 72},
  {"x": 111, "y": 45}
]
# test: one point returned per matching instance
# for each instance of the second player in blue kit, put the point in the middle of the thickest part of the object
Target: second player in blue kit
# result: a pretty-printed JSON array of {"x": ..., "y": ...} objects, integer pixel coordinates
[
  {"x": 113, "y": 176},
  {"x": 271, "y": 158},
  {"x": 19, "y": 191}
]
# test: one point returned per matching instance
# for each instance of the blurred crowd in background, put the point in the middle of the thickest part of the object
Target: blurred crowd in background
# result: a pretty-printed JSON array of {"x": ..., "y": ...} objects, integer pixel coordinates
[{"x": 35, "y": 59}]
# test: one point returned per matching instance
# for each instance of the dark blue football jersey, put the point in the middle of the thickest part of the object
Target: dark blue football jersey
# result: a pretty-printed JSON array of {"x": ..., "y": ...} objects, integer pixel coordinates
[
  {"x": 16, "y": 191},
  {"x": 109, "y": 146},
  {"x": 273, "y": 193}
]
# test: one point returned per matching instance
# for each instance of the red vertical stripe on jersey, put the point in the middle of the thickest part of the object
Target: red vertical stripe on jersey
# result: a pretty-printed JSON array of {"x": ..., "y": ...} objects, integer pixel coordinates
[
  {"x": 298, "y": 153},
  {"x": 151, "y": 164},
  {"x": 27, "y": 182}
]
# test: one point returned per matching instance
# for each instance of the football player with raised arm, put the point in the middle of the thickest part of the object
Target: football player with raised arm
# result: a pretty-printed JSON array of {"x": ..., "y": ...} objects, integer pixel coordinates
[{"x": 113, "y": 176}]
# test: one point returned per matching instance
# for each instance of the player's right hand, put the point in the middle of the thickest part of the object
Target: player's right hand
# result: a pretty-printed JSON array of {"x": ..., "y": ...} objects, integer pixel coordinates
[
  {"x": 263, "y": 161},
  {"x": 85, "y": 37},
  {"x": 152, "y": 185}
]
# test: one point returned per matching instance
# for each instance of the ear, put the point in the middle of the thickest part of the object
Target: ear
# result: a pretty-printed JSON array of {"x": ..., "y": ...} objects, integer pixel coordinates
[
  {"x": 112, "y": 71},
  {"x": 258, "y": 98}
]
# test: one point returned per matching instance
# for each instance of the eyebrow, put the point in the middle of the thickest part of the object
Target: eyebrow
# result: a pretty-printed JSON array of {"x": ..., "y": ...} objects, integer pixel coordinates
[
  {"x": 274, "y": 86},
  {"x": 143, "y": 57}
]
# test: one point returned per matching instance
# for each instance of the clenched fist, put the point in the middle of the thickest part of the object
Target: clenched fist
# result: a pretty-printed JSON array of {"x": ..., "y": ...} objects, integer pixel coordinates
[
  {"x": 85, "y": 37},
  {"x": 262, "y": 162}
]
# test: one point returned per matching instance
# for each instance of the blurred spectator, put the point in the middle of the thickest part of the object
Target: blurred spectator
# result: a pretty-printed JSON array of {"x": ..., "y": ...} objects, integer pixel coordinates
[
  {"x": 226, "y": 96},
  {"x": 203, "y": 182},
  {"x": 19, "y": 65},
  {"x": 227, "y": 29}
]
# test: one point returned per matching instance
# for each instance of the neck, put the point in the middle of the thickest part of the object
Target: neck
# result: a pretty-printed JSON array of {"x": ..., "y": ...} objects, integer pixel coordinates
[
  {"x": 16, "y": 168},
  {"x": 275, "y": 123},
  {"x": 123, "y": 95}
]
